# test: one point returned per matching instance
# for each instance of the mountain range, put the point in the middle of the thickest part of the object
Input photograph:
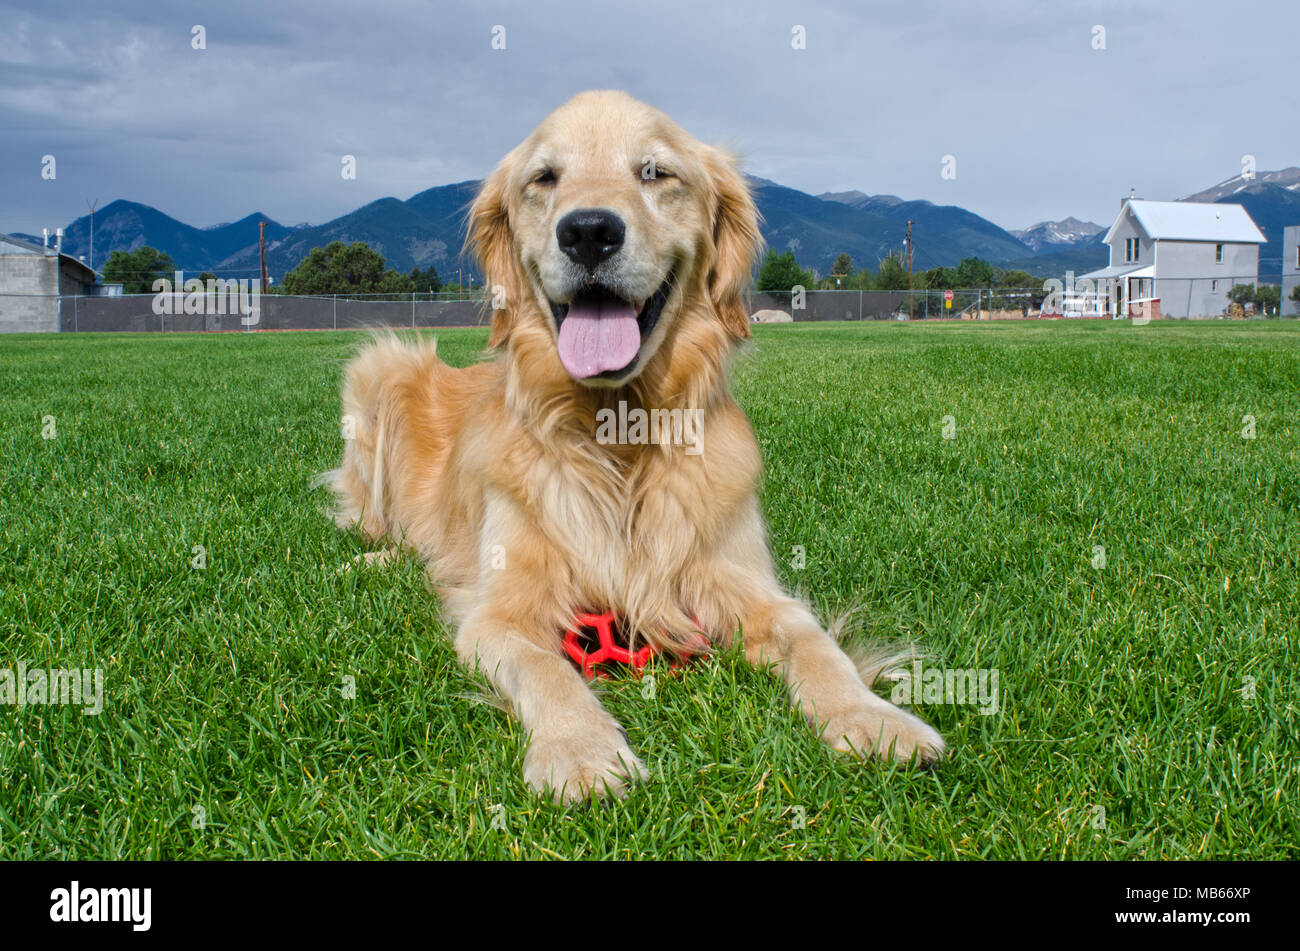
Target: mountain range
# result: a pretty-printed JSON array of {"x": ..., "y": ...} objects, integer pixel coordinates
[
  {"x": 1271, "y": 198},
  {"x": 942, "y": 234},
  {"x": 428, "y": 229},
  {"x": 1051, "y": 236}
]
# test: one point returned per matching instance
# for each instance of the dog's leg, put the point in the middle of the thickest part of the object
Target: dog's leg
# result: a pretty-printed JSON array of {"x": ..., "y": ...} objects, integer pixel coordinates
[
  {"x": 825, "y": 684},
  {"x": 576, "y": 749}
]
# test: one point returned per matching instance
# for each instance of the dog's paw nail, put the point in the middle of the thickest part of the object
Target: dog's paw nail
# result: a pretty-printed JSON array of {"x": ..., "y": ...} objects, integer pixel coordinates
[{"x": 892, "y": 732}]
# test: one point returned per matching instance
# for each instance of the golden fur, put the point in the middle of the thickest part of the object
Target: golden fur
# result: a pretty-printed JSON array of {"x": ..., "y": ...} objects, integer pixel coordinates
[{"x": 492, "y": 474}]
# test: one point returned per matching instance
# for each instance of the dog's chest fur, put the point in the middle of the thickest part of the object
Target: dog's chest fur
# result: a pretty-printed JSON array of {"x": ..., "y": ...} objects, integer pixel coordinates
[{"x": 619, "y": 528}]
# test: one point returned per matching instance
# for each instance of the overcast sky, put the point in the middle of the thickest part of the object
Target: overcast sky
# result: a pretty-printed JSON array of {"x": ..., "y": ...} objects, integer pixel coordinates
[{"x": 1041, "y": 124}]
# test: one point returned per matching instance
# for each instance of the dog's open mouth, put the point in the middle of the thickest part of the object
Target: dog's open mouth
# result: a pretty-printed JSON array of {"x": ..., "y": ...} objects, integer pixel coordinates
[{"x": 600, "y": 333}]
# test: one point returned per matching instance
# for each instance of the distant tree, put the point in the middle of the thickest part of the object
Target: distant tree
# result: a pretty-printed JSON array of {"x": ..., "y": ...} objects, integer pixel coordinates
[
  {"x": 1016, "y": 290},
  {"x": 860, "y": 280},
  {"x": 345, "y": 269},
  {"x": 425, "y": 282},
  {"x": 781, "y": 272},
  {"x": 843, "y": 277},
  {"x": 1241, "y": 293},
  {"x": 1017, "y": 279},
  {"x": 137, "y": 270},
  {"x": 975, "y": 272},
  {"x": 892, "y": 274},
  {"x": 1267, "y": 298},
  {"x": 1295, "y": 293},
  {"x": 941, "y": 278}
]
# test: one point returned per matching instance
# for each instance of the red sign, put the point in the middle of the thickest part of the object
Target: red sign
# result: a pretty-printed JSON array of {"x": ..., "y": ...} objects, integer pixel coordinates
[{"x": 947, "y": 295}]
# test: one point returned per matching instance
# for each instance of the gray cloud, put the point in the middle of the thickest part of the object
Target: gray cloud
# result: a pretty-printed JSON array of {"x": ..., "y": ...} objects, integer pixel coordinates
[{"x": 1041, "y": 125}]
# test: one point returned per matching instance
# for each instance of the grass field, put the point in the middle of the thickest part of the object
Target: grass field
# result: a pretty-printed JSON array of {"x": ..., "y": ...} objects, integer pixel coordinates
[{"x": 1148, "y": 708}]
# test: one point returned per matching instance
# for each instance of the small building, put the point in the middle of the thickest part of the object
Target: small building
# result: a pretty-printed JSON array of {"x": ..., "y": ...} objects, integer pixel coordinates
[
  {"x": 1173, "y": 259},
  {"x": 1290, "y": 270},
  {"x": 33, "y": 279}
]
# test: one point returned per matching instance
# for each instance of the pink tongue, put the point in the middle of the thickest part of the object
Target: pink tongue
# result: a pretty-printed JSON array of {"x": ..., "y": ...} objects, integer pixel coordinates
[{"x": 598, "y": 336}]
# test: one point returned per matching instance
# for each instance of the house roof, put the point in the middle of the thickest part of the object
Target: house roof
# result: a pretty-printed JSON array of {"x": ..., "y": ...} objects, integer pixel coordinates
[
  {"x": 9, "y": 244},
  {"x": 1190, "y": 221},
  {"x": 1121, "y": 270},
  {"x": 19, "y": 245}
]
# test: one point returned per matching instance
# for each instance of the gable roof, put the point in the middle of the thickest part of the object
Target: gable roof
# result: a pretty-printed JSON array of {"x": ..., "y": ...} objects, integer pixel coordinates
[{"x": 1190, "y": 221}]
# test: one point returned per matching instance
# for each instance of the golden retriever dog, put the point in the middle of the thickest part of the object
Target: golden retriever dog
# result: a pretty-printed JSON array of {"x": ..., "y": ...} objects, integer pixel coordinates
[{"x": 618, "y": 251}]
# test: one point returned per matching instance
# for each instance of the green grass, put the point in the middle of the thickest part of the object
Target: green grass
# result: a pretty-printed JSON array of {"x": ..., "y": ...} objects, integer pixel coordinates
[{"x": 1121, "y": 687}]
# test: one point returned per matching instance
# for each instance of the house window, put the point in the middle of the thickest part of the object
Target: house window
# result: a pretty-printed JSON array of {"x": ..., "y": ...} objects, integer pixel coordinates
[
  {"x": 1131, "y": 249},
  {"x": 1218, "y": 254},
  {"x": 1297, "y": 257},
  {"x": 1214, "y": 286}
]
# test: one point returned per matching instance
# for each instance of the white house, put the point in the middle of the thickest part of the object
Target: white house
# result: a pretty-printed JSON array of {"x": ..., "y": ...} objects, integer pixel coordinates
[{"x": 1173, "y": 259}]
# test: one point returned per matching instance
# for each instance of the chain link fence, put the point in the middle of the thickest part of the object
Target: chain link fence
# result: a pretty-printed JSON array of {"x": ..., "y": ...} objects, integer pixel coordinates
[
  {"x": 1217, "y": 296},
  {"x": 139, "y": 312},
  {"x": 927, "y": 304},
  {"x": 181, "y": 313}
]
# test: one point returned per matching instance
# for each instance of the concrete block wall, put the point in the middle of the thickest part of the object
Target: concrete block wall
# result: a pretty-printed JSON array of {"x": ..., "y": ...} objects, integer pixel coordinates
[{"x": 29, "y": 293}]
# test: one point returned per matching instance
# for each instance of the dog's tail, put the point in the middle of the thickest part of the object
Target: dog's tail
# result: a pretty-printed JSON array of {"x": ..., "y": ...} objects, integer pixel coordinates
[{"x": 374, "y": 384}]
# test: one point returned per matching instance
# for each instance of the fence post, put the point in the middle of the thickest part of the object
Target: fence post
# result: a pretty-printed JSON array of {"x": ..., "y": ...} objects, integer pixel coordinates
[
  {"x": 336, "y": 311},
  {"x": 76, "y": 322},
  {"x": 859, "y": 303},
  {"x": 412, "y": 310}
]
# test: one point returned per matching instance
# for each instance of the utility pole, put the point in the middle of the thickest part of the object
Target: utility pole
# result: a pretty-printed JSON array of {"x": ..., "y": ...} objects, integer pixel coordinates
[
  {"x": 92, "y": 208},
  {"x": 261, "y": 243},
  {"x": 909, "y": 270}
]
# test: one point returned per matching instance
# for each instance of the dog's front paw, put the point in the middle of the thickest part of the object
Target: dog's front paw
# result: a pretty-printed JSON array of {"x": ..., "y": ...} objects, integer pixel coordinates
[
  {"x": 571, "y": 767},
  {"x": 878, "y": 729}
]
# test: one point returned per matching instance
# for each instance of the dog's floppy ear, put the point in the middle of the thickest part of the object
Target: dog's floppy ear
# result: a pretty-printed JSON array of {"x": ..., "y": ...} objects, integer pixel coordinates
[
  {"x": 736, "y": 241},
  {"x": 491, "y": 243}
]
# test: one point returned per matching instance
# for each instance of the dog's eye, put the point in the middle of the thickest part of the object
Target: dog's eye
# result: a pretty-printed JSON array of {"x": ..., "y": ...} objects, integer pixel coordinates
[
  {"x": 545, "y": 177},
  {"x": 658, "y": 174}
]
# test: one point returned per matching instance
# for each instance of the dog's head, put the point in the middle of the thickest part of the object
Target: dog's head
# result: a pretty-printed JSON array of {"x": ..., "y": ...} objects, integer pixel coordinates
[{"x": 607, "y": 229}]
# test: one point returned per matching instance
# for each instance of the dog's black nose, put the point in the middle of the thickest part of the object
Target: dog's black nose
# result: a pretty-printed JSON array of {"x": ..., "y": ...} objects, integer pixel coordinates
[{"x": 590, "y": 235}]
